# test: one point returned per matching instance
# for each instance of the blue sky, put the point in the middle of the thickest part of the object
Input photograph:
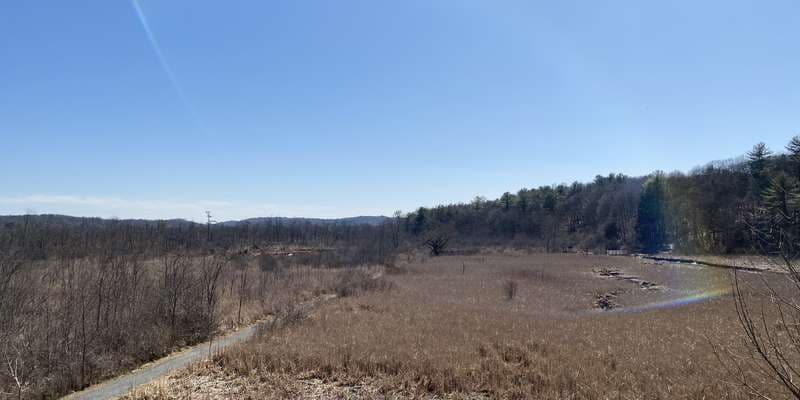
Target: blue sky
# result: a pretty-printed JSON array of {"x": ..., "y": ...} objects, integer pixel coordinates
[{"x": 338, "y": 108}]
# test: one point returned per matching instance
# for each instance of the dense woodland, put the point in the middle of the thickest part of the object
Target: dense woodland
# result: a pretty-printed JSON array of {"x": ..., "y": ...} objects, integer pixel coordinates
[{"x": 711, "y": 209}]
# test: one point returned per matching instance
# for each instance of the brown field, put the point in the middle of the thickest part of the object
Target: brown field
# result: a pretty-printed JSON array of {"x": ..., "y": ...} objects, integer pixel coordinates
[{"x": 496, "y": 326}]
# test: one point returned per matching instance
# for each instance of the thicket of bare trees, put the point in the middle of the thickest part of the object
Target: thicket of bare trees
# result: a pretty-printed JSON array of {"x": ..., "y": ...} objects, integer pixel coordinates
[
  {"x": 42, "y": 237},
  {"x": 82, "y": 299},
  {"x": 69, "y": 322}
]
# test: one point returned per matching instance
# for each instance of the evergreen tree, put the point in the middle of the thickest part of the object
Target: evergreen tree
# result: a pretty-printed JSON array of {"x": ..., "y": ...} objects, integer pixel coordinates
[
  {"x": 757, "y": 161},
  {"x": 650, "y": 222},
  {"x": 505, "y": 200},
  {"x": 522, "y": 200},
  {"x": 779, "y": 198},
  {"x": 776, "y": 226},
  {"x": 793, "y": 148},
  {"x": 419, "y": 221},
  {"x": 549, "y": 201}
]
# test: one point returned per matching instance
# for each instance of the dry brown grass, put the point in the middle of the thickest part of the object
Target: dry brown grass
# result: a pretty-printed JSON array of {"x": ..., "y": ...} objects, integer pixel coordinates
[
  {"x": 444, "y": 333},
  {"x": 268, "y": 294}
]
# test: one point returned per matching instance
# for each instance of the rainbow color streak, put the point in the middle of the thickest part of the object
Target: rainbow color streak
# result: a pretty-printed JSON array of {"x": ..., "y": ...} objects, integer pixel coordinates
[{"x": 691, "y": 298}]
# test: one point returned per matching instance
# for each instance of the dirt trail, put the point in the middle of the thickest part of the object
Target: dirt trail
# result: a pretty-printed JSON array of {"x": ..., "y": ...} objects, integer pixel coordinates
[
  {"x": 118, "y": 386},
  {"x": 149, "y": 372}
]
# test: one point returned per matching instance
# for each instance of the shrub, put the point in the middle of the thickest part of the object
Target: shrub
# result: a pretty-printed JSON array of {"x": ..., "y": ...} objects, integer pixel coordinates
[
  {"x": 353, "y": 282},
  {"x": 510, "y": 289}
]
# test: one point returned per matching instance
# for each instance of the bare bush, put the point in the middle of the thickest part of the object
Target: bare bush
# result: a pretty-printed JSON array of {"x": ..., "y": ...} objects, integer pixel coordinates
[
  {"x": 510, "y": 289},
  {"x": 768, "y": 352},
  {"x": 268, "y": 263},
  {"x": 353, "y": 282}
]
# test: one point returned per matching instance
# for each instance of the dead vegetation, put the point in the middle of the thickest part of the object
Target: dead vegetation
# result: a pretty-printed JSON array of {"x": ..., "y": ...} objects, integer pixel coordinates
[
  {"x": 66, "y": 324},
  {"x": 353, "y": 282},
  {"x": 510, "y": 289},
  {"x": 615, "y": 273},
  {"x": 446, "y": 334},
  {"x": 607, "y": 301}
]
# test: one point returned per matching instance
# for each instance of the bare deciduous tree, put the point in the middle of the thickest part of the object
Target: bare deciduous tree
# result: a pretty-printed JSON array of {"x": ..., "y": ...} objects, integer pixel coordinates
[
  {"x": 436, "y": 242},
  {"x": 211, "y": 268},
  {"x": 14, "y": 365},
  {"x": 176, "y": 282},
  {"x": 769, "y": 310}
]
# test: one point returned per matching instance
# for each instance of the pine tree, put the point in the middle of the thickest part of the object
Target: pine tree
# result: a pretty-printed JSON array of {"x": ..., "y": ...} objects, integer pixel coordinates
[
  {"x": 522, "y": 200},
  {"x": 505, "y": 200},
  {"x": 778, "y": 226},
  {"x": 779, "y": 198},
  {"x": 650, "y": 222},
  {"x": 419, "y": 221},
  {"x": 793, "y": 148},
  {"x": 757, "y": 161}
]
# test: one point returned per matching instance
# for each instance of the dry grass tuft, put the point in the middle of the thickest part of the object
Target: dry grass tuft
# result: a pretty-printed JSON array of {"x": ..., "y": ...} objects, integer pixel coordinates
[
  {"x": 355, "y": 281},
  {"x": 510, "y": 289}
]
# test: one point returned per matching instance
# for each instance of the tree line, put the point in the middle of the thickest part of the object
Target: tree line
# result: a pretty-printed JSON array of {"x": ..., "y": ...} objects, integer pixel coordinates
[
  {"x": 43, "y": 237},
  {"x": 713, "y": 209}
]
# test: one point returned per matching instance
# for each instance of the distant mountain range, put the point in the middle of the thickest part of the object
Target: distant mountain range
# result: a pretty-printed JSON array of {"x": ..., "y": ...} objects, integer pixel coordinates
[
  {"x": 66, "y": 220},
  {"x": 360, "y": 220}
]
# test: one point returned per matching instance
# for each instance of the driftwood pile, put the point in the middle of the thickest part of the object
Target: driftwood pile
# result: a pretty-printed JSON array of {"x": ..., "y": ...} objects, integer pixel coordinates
[{"x": 617, "y": 274}]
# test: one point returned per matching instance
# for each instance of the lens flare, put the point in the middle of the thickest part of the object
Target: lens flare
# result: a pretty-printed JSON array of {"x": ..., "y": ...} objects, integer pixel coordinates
[
  {"x": 678, "y": 285},
  {"x": 165, "y": 65},
  {"x": 690, "y": 298}
]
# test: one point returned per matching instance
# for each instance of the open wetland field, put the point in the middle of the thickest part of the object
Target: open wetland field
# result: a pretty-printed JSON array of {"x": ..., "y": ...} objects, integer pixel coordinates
[{"x": 553, "y": 326}]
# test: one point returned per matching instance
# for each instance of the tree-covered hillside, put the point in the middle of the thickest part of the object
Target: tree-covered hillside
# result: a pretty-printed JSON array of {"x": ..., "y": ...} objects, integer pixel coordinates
[{"x": 711, "y": 209}]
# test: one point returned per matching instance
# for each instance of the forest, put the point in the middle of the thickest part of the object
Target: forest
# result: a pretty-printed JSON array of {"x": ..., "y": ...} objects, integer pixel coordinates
[{"x": 712, "y": 209}]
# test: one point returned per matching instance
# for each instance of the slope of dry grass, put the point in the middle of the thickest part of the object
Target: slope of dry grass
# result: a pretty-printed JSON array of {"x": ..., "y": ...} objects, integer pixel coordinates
[{"x": 442, "y": 332}]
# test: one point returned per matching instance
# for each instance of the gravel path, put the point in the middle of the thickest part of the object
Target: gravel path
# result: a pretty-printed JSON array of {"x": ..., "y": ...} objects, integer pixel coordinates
[
  {"x": 149, "y": 372},
  {"x": 118, "y": 386}
]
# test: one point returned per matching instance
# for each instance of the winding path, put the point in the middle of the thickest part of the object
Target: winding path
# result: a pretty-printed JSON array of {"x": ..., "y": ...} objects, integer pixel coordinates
[{"x": 147, "y": 373}]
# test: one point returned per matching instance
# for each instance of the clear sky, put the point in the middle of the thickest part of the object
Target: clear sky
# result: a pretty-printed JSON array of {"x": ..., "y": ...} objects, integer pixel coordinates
[{"x": 338, "y": 108}]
